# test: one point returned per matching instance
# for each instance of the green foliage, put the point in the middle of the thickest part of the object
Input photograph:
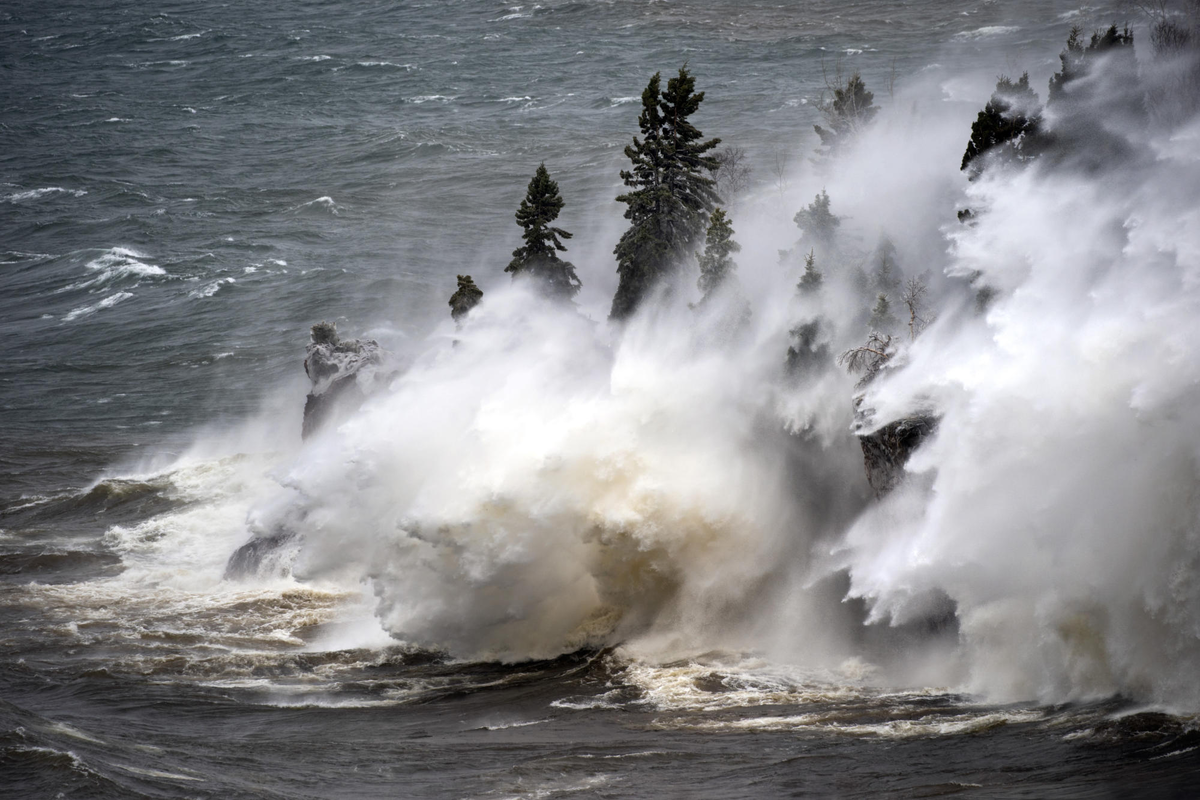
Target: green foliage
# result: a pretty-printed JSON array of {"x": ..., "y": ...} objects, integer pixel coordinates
[
  {"x": 849, "y": 111},
  {"x": 1076, "y": 58},
  {"x": 810, "y": 281},
  {"x": 1011, "y": 116},
  {"x": 817, "y": 220},
  {"x": 716, "y": 262},
  {"x": 671, "y": 193},
  {"x": 465, "y": 298},
  {"x": 881, "y": 315},
  {"x": 538, "y": 258},
  {"x": 807, "y": 351},
  {"x": 886, "y": 278}
]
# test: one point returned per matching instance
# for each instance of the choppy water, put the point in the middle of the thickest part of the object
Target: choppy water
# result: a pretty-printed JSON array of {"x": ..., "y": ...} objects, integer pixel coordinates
[{"x": 185, "y": 188}]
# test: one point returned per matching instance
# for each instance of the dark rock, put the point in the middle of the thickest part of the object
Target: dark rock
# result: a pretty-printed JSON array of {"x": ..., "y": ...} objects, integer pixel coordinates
[
  {"x": 342, "y": 372},
  {"x": 260, "y": 555},
  {"x": 886, "y": 450}
]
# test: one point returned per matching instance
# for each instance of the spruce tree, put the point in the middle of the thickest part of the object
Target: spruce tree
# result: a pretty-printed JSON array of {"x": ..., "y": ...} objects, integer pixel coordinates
[
  {"x": 817, "y": 220},
  {"x": 716, "y": 262},
  {"x": 1011, "y": 118},
  {"x": 849, "y": 111},
  {"x": 1077, "y": 59},
  {"x": 812, "y": 278},
  {"x": 881, "y": 315},
  {"x": 671, "y": 193},
  {"x": 538, "y": 258},
  {"x": 887, "y": 275}
]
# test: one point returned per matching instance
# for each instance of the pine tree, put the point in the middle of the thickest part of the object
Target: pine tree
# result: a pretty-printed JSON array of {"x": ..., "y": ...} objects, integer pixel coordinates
[
  {"x": 465, "y": 298},
  {"x": 716, "y": 262},
  {"x": 817, "y": 220},
  {"x": 812, "y": 278},
  {"x": 1011, "y": 118},
  {"x": 851, "y": 109},
  {"x": 671, "y": 193},
  {"x": 538, "y": 258}
]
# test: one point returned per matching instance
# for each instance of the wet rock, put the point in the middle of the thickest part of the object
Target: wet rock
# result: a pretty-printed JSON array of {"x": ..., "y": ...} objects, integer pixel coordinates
[
  {"x": 887, "y": 449},
  {"x": 343, "y": 372},
  {"x": 262, "y": 555}
]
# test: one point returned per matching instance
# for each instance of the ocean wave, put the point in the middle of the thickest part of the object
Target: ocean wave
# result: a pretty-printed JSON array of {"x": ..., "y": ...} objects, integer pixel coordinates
[
  {"x": 987, "y": 32},
  {"x": 406, "y": 67},
  {"x": 108, "y": 302},
  {"x": 323, "y": 203},
  {"x": 427, "y": 98},
  {"x": 209, "y": 289},
  {"x": 38, "y": 194},
  {"x": 116, "y": 264}
]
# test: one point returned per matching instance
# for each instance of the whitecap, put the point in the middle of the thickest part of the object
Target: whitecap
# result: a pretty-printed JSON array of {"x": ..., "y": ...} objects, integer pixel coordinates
[
  {"x": 116, "y": 263},
  {"x": 38, "y": 194},
  {"x": 325, "y": 202},
  {"x": 209, "y": 289},
  {"x": 987, "y": 32},
  {"x": 107, "y": 302}
]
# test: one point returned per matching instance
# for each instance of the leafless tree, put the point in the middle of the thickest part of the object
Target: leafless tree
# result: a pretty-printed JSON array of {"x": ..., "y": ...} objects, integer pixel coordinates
[
  {"x": 913, "y": 298},
  {"x": 733, "y": 173},
  {"x": 779, "y": 162}
]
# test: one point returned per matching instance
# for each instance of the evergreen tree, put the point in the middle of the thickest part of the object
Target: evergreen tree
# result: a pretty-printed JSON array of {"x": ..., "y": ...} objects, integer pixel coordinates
[
  {"x": 465, "y": 298},
  {"x": 817, "y": 220},
  {"x": 849, "y": 111},
  {"x": 881, "y": 315},
  {"x": 886, "y": 279},
  {"x": 806, "y": 352},
  {"x": 1011, "y": 116},
  {"x": 538, "y": 257},
  {"x": 671, "y": 193},
  {"x": 812, "y": 278},
  {"x": 716, "y": 262},
  {"x": 1077, "y": 59}
]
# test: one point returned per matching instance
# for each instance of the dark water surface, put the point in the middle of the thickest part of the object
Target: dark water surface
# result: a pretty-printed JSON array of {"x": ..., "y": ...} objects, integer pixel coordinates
[{"x": 185, "y": 187}]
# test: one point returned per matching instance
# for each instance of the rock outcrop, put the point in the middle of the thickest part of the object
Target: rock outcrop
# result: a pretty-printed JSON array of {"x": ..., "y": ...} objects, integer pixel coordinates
[
  {"x": 887, "y": 449},
  {"x": 342, "y": 372}
]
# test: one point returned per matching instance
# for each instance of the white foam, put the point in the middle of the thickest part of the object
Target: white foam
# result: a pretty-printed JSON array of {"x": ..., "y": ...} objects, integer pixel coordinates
[
  {"x": 107, "y": 302},
  {"x": 38, "y": 194}
]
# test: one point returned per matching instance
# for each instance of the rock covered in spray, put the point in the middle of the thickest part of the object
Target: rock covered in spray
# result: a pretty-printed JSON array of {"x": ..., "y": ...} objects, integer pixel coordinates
[
  {"x": 887, "y": 449},
  {"x": 342, "y": 371}
]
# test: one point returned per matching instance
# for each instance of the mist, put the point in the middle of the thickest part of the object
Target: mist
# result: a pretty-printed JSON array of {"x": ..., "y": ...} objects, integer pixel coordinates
[{"x": 538, "y": 480}]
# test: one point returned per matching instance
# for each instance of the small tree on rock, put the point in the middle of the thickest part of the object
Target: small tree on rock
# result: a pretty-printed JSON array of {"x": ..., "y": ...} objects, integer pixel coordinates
[
  {"x": 716, "y": 262},
  {"x": 466, "y": 297},
  {"x": 538, "y": 257}
]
